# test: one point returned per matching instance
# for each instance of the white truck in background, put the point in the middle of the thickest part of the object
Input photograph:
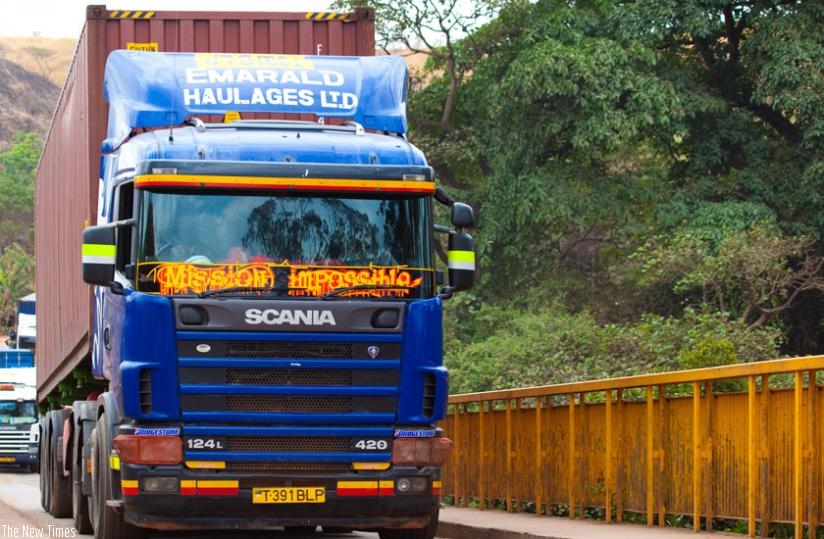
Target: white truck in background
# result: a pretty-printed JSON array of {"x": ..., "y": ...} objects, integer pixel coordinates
[
  {"x": 24, "y": 334},
  {"x": 19, "y": 432}
]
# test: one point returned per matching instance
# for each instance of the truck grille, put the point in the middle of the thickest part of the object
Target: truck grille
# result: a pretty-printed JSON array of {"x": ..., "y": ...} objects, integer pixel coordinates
[
  {"x": 230, "y": 389},
  {"x": 309, "y": 404},
  {"x": 296, "y": 377},
  {"x": 297, "y": 467},
  {"x": 302, "y": 444},
  {"x": 16, "y": 441},
  {"x": 262, "y": 376},
  {"x": 287, "y": 349}
]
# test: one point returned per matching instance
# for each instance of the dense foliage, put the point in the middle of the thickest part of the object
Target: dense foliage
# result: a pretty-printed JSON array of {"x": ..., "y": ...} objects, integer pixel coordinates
[
  {"x": 17, "y": 168},
  {"x": 648, "y": 177}
]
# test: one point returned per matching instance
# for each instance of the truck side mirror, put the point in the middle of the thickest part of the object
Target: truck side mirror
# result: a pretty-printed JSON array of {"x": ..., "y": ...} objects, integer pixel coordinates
[
  {"x": 98, "y": 255},
  {"x": 462, "y": 215},
  {"x": 461, "y": 261}
]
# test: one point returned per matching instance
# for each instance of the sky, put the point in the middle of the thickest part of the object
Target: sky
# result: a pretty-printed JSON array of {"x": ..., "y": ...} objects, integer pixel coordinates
[{"x": 65, "y": 18}]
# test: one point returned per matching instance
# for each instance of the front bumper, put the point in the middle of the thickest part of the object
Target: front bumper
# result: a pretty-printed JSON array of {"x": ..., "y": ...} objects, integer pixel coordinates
[
  {"x": 232, "y": 507},
  {"x": 30, "y": 459}
]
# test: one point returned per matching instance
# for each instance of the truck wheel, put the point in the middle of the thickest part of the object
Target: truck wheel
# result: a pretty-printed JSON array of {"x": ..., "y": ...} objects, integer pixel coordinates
[
  {"x": 80, "y": 504},
  {"x": 107, "y": 523},
  {"x": 60, "y": 498},
  {"x": 421, "y": 533},
  {"x": 44, "y": 469},
  {"x": 93, "y": 498}
]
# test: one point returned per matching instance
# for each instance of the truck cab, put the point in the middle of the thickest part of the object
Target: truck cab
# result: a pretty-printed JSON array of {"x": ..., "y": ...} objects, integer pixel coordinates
[
  {"x": 24, "y": 334},
  {"x": 268, "y": 304}
]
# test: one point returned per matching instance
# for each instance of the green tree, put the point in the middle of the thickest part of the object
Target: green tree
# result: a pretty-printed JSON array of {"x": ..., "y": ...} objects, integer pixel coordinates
[
  {"x": 17, "y": 169},
  {"x": 574, "y": 124},
  {"x": 16, "y": 278},
  {"x": 603, "y": 124},
  {"x": 433, "y": 28},
  {"x": 753, "y": 274},
  {"x": 763, "y": 61},
  {"x": 643, "y": 165}
]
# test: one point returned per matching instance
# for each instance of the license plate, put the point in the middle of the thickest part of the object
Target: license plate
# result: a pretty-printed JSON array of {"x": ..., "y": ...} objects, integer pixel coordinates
[
  {"x": 6, "y": 459},
  {"x": 289, "y": 495}
]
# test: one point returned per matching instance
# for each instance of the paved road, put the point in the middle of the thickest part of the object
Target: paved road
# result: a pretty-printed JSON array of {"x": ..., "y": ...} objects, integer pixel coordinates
[{"x": 22, "y": 516}]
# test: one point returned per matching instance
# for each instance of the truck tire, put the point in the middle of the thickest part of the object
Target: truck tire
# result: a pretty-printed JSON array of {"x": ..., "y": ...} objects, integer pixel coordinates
[
  {"x": 44, "y": 470},
  {"x": 80, "y": 503},
  {"x": 60, "y": 488},
  {"x": 107, "y": 523},
  {"x": 421, "y": 533},
  {"x": 93, "y": 497}
]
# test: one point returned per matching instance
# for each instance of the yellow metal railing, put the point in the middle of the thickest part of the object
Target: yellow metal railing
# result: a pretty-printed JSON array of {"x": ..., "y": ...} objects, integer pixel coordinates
[{"x": 736, "y": 442}]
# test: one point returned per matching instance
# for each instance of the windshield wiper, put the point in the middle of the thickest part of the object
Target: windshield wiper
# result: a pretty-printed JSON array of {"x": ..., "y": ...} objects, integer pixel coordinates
[
  {"x": 246, "y": 291},
  {"x": 339, "y": 292}
]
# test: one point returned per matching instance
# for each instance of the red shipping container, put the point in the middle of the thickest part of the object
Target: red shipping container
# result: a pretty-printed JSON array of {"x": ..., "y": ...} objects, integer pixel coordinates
[{"x": 66, "y": 188}]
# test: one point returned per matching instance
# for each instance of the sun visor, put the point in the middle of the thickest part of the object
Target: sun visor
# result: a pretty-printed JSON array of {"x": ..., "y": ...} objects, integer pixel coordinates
[{"x": 151, "y": 89}]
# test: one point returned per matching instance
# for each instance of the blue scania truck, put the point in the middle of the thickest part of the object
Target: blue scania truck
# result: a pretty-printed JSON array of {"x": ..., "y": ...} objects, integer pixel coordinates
[{"x": 267, "y": 304}]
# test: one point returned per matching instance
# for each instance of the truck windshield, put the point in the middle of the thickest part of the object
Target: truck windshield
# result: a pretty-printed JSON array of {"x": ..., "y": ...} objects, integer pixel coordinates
[
  {"x": 17, "y": 412},
  {"x": 194, "y": 243}
]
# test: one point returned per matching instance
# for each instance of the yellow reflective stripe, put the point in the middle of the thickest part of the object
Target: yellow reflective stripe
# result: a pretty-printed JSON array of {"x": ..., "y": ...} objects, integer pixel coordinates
[
  {"x": 205, "y": 464},
  {"x": 461, "y": 260},
  {"x": 379, "y": 466},
  {"x": 98, "y": 253},
  {"x": 114, "y": 462},
  {"x": 217, "y": 484},
  {"x": 98, "y": 249},
  {"x": 358, "y": 484}
]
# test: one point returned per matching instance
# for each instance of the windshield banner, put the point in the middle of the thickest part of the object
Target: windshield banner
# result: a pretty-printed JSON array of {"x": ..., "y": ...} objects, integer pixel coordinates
[
  {"x": 181, "y": 278},
  {"x": 151, "y": 89}
]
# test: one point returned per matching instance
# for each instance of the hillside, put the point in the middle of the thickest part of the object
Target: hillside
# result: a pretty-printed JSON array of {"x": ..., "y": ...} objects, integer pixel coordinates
[
  {"x": 27, "y": 101},
  {"x": 32, "y": 70},
  {"x": 44, "y": 56}
]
